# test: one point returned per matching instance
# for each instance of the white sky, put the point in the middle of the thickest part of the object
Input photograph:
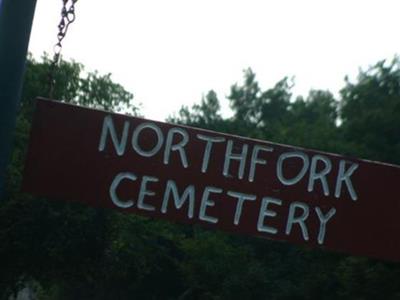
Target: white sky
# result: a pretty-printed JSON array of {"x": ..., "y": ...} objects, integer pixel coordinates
[{"x": 169, "y": 53}]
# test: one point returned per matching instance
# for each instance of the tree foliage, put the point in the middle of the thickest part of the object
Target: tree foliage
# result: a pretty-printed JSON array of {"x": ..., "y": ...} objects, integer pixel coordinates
[
  {"x": 371, "y": 111},
  {"x": 75, "y": 85},
  {"x": 68, "y": 251},
  {"x": 363, "y": 122}
]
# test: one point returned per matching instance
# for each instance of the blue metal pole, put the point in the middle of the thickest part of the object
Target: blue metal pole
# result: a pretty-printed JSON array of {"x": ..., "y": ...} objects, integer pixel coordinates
[{"x": 16, "y": 18}]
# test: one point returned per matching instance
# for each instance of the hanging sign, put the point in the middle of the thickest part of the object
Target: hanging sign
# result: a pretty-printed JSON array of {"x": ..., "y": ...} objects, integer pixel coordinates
[{"x": 220, "y": 181}]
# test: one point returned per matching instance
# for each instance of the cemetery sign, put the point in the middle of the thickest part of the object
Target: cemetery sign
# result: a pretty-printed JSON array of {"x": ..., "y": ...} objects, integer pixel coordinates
[{"x": 220, "y": 181}]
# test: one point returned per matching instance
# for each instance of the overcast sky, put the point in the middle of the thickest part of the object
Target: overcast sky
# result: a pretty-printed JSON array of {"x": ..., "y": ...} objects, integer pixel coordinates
[{"x": 170, "y": 53}]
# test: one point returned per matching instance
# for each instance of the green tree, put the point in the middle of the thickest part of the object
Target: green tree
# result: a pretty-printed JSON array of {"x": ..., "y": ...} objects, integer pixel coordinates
[
  {"x": 54, "y": 243},
  {"x": 259, "y": 112},
  {"x": 365, "y": 122},
  {"x": 205, "y": 114},
  {"x": 311, "y": 122},
  {"x": 74, "y": 252},
  {"x": 370, "y": 112},
  {"x": 74, "y": 85}
]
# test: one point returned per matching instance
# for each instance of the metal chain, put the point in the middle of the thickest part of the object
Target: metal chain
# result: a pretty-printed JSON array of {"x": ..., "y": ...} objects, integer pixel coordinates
[{"x": 67, "y": 17}]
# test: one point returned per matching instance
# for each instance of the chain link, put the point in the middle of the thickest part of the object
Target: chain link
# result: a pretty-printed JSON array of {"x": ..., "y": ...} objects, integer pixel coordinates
[{"x": 67, "y": 17}]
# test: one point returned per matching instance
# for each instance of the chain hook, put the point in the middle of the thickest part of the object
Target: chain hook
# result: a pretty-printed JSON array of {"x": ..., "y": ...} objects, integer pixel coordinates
[{"x": 67, "y": 17}]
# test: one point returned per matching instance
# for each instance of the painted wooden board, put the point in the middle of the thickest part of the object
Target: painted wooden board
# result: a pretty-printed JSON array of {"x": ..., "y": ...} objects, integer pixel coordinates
[{"x": 220, "y": 181}]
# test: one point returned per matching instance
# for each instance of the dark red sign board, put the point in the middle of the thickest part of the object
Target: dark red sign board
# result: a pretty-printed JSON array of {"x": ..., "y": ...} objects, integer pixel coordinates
[{"x": 217, "y": 180}]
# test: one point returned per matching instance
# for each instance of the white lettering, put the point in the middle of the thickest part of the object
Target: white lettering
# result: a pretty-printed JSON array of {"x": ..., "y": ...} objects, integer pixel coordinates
[
  {"x": 207, "y": 151},
  {"x": 108, "y": 126},
  {"x": 323, "y": 219},
  {"x": 145, "y": 192},
  {"x": 206, "y": 202},
  {"x": 177, "y": 147},
  {"x": 299, "y": 219},
  {"x": 241, "y": 198},
  {"x": 256, "y": 160},
  {"x": 135, "y": 139},
  {"x": 188, "y": 194},
  {"x": 241, "y": 157},
  {"x": 321, "y": 175},
  {"x": 113, "y": 188},
  {"x": 345, "y": 176},
  {"x": 298, "y": 177},
  {"x": 265, "y": 212}
]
